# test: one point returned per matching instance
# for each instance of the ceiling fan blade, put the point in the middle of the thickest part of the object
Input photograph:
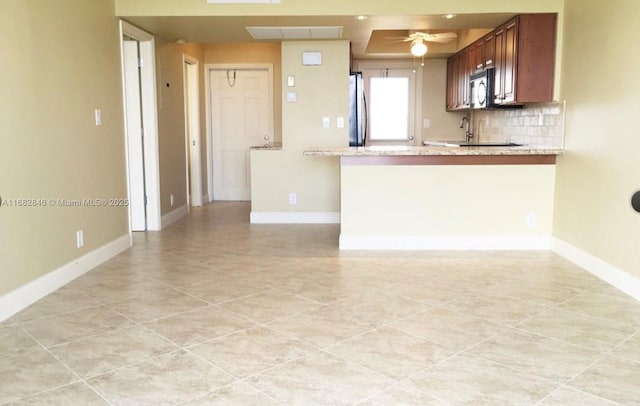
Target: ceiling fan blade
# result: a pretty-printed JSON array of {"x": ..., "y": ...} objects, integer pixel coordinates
[{"x": 441, "y": 38}]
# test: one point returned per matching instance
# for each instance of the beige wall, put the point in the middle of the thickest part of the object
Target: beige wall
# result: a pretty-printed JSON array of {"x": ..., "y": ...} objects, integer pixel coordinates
[
  {"x": 171, "y": 121},
  {"x": 446, "y": 200},
  {"x": 442, "y": 124},
  {"x": 259, "y": 52},
  {"x": 601, "y": 169},
  {"x": 60, "y": 61},
  {"x": 329, "y": 7},
  {"x": 468, "y": 37},
  {"x": 322, "y": 91}
]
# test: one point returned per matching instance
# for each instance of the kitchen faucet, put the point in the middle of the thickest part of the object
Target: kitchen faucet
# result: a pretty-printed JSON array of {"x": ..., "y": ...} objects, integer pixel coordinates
[{"x": 464, "y": 123}]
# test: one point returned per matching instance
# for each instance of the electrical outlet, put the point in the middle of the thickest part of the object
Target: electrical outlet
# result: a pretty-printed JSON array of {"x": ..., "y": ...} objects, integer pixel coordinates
[
  {"x": 293, "y": 198},
  {"x": 171, "y": 200},
  {"x": 79, "y": 238},
  {"x": 98, "y": 116},
  {"x": 531, "y": 220},
  {"x": 340, "y": 122}
]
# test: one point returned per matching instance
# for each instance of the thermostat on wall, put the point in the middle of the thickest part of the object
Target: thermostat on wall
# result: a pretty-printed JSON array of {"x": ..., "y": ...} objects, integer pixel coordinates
[{"x": 312, "y": 58}]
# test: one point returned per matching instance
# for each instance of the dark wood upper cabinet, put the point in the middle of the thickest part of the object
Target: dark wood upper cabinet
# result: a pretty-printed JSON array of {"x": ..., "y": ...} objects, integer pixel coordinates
[
  {"x": 525, "y": 50},
  {"x": 522, "y": 55},
  {"x": 498, "y": 63},
  {"x": 489, "y": 50},
  {"x": 451, "y": 89},
  {"x": 509, "y": 62},
  {"x": 478, "y": 60},
  {"x": 536, "y": 53}
]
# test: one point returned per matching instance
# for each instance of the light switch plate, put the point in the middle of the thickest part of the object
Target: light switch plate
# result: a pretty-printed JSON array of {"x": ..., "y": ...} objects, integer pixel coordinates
[
  {"x": 326, "y": 122},
  {"x": 426, "y": 123},
  {"x": 98, "y": 116}
]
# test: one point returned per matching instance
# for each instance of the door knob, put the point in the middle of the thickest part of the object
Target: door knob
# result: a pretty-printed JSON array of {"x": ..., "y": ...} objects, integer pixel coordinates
[{"x": 266, "y": 138}]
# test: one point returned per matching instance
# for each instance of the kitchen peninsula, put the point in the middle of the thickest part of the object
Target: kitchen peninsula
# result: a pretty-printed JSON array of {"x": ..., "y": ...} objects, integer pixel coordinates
[{"x": 433, "y": 197}]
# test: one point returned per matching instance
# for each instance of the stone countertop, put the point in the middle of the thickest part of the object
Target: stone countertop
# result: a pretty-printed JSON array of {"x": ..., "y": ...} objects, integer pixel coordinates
[
  {"x": 269, "y": 146},
  {"x": 401, "y": 150}
]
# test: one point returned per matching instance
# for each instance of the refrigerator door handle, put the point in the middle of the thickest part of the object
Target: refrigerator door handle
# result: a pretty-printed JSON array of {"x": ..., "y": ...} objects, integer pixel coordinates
[{"x": 365, "y": 119}]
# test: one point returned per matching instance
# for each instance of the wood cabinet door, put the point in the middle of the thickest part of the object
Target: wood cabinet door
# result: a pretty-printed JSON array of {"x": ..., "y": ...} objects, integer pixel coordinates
[
  {"x": 479, "y": 60},
  {"x": 464, "y": 75},
  {"x": 498, "y": 89},
  {"x": 510, "y": 61},
  {"x": 489, "y": 50},
  {"x": 452, "y": 82}
]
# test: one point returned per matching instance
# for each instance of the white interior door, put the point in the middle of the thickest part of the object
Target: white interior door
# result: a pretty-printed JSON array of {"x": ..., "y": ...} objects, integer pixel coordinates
[
  {"x": 192, "y": 129},
  {"x": 135, "y": 142},
  {"x": 240, "y": 114}
]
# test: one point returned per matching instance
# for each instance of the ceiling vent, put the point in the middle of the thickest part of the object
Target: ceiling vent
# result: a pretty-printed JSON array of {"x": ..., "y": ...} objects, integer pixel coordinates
[{"x": 293, "y": 33}]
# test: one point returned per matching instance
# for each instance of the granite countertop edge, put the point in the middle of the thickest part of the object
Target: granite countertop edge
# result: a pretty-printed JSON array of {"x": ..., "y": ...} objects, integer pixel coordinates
[
  {"x": 268, "y": 147},
  {"x": 432, "y": 150}
]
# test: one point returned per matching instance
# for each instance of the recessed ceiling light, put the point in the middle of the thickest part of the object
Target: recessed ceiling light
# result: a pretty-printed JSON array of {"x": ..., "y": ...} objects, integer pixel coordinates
[
  {"x": 361, "y": 18},
  {"x": 449, "y": 16}
]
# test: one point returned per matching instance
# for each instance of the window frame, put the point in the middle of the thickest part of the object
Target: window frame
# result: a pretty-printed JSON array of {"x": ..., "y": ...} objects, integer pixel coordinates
[{"x": 371, "y": 69}]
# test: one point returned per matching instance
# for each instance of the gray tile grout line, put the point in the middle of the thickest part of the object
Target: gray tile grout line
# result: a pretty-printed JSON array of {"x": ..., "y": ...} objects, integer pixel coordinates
[
  {"x": 322, "y": 349},
  {"x": 505, "y": 328},
  {"x": 97, "y": 304},
  {"x": 236, "y": 379},
  {"x": 602, "y": 356},
  {"x": 80, "y": 378},
  {"x": 101, "y": 332},
  {"x": 327, "y": 349},
  {"x": 177, "y": 350}
]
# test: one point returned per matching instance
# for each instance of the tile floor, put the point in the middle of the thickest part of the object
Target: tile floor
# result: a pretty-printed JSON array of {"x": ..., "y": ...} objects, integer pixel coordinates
[{"x": 214, "y": 311}]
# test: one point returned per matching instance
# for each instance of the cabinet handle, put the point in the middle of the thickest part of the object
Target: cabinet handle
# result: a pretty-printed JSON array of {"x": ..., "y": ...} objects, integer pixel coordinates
[
  {"x": 490, "y": 61},
  {"x": 479, "y": 66}
]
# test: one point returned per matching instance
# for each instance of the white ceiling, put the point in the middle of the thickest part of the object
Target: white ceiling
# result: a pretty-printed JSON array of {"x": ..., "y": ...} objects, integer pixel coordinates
[{"x": 216, "y": 29}]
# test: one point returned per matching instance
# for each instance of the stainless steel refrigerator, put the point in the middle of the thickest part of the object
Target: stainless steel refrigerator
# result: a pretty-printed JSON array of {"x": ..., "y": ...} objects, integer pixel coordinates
[{"x": 357, "y": 111}]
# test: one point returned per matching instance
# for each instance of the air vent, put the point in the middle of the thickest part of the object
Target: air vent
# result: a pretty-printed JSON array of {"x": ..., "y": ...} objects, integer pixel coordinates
[{"x": 292, "y": 33}]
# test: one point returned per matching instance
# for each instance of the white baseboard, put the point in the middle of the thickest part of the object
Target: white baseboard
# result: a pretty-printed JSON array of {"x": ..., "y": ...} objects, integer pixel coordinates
[
  {"x": 472, "y": 242},
  {"x": 295, "y": 217},
  {"x": 616, "y": 277},
  {"x": 174, "y": 216},
  {"x": 205, "y": 199},
  {"x": 20, "y": 298}
]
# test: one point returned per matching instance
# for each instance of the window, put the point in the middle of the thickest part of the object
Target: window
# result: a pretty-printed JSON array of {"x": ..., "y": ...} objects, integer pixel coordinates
[{"x": 391, "y": 104}]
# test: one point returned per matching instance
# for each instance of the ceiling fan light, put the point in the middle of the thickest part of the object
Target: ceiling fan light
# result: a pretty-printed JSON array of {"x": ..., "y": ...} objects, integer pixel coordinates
[{"x": 418, "y": 48}]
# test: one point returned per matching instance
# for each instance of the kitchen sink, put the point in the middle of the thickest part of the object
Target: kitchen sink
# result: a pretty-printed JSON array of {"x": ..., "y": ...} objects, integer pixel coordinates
[{"x": 467, "y": 144}]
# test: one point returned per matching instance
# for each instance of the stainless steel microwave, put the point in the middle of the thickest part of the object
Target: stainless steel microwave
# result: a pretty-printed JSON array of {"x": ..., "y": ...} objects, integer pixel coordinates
[{"x": 481, "y": 89}]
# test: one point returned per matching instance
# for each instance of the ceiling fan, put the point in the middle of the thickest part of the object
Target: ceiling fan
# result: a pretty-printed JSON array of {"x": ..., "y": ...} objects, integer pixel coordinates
[{"x": 418, "y": 39}]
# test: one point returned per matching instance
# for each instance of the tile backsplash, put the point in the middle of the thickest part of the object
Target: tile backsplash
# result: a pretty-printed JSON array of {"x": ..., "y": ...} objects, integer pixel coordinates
[{"x": 535, "y": 124}]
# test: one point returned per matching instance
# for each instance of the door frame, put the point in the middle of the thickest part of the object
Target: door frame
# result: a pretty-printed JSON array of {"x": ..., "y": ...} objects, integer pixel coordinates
[
  {"x": 193, "y": 158},
  {"x": 209, "y": 104},
  {"x": 416, "y": 114},
  {"x": 149, "y": 118}
]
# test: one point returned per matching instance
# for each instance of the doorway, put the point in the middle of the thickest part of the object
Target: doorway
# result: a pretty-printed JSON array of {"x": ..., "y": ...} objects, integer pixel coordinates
[
  {"x": 192, "y": 130},
  {"x": 240, "y": 114},
  {"x": 141, "y": 127},
  {"x": 392, "y": 105}
]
